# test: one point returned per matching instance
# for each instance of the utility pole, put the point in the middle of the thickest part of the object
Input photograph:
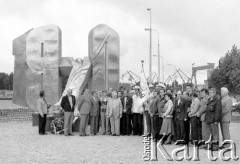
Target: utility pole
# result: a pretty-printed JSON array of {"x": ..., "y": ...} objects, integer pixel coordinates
[
  {"x": 106, "y": 66},
  {"x": 150, "y": 48},
  {"x": 42, "y": 51}
]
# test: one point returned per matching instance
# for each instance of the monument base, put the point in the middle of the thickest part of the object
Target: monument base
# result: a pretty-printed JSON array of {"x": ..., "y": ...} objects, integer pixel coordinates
[
  {"x": 75, "y": 126},
  {"x": 35, "y": 119},
  {"x": 48, "y": 123}
]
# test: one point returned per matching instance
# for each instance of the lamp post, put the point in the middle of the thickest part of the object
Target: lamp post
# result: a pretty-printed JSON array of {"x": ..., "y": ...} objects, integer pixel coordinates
[
  {"x": 106, "y": 65},
  {"x": 150, "y": 47},
  {"x": 147, "y": 29},
  {"x": 162, "y": 68}
]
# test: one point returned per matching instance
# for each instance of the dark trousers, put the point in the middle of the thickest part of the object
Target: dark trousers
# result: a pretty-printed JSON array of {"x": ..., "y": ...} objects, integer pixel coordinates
[
  {"x": 125, "y": 124},
  {"x": 94, "y": 124},
  {"x": 156, "y": 126},
  {"x": 180, "y": 129},
  {"x": 199, "y": 129},
  {"x": 160, "y": 121},
  {"x": 187, "y": 129},
  {"x": 214, "y": 131},
  {"x": 174, "y": 137},
  {"x": 131, "y": 123},
  {"x": 194, "y": 128},
  {"x": 42, "y": 123},
  {"x": 137, "y": 123}
]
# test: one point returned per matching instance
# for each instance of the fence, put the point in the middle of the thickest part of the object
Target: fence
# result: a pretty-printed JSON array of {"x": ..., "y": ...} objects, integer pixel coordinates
[{"x": 15, "y": 114}]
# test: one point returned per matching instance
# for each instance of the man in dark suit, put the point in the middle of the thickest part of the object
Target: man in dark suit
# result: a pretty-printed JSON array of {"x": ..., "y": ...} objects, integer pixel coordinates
[
  {"x": 84, "y": 107},
  {"x": 154, "y": 116},
  {"x": 188, "y": 102},
  {"x": 160, "y": 106},
  {"x": 180, "y": 110},
  {"x": 125, "y": 124},
  {"x": 68, "y": 104},
  {"x": 94, "y": 114}
]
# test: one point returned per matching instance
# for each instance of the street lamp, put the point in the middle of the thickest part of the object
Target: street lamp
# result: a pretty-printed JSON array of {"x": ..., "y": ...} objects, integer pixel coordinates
[
  {"x": 150, "y": 47},
  {"x": 147, "y": 29},
  {"x": 162, "y": 68}
]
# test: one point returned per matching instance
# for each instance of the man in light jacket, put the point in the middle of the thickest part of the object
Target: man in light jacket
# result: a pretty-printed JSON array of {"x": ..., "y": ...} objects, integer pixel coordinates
[
  {"x": 84, "y": 107},
  {"x": 226, "y": 114},
  {"x": 114, "y": 112},
  {"x": 193, "y": 117},
  {"x": 201, "y": 113},
  {"x": 42, "y": 107},
  {"x": 137, "y": 110}
]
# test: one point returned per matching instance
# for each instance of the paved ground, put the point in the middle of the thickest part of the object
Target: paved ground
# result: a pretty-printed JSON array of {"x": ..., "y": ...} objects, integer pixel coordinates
[{"x": 20, "y": 143}]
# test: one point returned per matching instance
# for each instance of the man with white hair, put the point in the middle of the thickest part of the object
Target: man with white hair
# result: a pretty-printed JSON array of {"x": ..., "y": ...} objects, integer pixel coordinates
[
  {"x": 68, "y": 104},
  {"x": 226, "y": 114}
]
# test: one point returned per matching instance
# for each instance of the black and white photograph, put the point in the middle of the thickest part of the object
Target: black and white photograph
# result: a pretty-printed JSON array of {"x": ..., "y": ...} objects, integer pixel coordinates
[{"x": 119, "y": 81}]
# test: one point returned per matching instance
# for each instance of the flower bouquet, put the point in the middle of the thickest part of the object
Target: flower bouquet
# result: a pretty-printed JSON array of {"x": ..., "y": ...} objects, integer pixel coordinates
[{"x": 57, "y": 126}]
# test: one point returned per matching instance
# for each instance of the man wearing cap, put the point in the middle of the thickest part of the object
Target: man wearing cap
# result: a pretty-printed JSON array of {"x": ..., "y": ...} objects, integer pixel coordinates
[{"x": 151, "y": 88}]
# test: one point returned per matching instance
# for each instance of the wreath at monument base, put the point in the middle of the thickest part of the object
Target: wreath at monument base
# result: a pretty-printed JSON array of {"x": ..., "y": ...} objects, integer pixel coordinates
[{"x": 57, "y": 126}]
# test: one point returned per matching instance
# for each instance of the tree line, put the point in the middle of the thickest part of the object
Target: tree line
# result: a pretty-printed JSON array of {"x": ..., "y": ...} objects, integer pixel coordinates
[
  {"x": 6, "y": 81},
  {"x": 227, "y": 73}
]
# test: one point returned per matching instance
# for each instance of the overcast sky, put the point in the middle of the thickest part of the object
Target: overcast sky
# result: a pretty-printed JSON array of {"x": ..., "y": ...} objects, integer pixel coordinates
[{"x": 191, "y": 31}]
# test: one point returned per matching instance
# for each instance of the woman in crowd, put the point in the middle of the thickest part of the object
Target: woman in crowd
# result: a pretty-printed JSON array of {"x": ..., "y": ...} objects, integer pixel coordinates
[
  {"x": 167, "y": 125},
  {"x": 226, "y": 115},
  {"x": 193, "y": 117},
  {"x": 114, "y": 112}
]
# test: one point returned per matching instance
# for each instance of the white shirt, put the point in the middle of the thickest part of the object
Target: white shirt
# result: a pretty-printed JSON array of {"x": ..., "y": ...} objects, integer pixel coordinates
[
  {"x": 136, "y": 108},
  {"x": 178, "y": 101}
]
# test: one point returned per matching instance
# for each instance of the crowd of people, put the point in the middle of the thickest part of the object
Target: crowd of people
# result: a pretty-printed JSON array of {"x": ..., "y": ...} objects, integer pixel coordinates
[{"x": 185, "y": 116}]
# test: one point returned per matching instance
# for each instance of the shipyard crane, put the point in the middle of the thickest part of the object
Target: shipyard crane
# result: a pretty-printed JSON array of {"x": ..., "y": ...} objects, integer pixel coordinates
[{"x": 209, "y": 66}]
